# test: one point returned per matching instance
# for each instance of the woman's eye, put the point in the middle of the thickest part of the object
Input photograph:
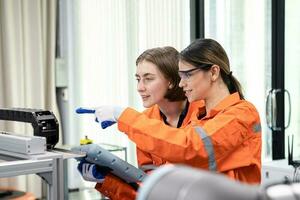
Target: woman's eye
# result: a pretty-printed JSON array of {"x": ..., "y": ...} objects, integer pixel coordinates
[
  {"x": 188, "y": 75},
  {"x": 148, "y": 79}
]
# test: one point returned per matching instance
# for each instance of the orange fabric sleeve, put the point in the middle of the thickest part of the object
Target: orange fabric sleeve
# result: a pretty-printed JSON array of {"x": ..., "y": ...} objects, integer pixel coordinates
[
  {"x": 227, "y": 131},
  {"x": 151, "y": 135},
  {"x": 115, "y": 189},
  {"x": 143, "y": 157}
]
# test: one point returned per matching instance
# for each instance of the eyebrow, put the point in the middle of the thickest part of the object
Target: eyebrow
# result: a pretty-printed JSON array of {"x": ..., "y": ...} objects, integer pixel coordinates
[{"x": 145, "y": 75}]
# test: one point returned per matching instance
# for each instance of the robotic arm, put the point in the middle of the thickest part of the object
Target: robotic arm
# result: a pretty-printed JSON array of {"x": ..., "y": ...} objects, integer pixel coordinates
[{"x": 185, "y": 183}]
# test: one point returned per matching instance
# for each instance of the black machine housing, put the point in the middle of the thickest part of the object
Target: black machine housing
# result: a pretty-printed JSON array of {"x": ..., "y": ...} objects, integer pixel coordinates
[{"x": 44, "y": 122}]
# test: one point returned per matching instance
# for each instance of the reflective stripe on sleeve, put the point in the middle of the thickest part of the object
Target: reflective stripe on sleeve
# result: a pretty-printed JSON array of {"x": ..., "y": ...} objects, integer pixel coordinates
[
  {"x": 208, "y": 147},
  {"x": 256, "y": 128}
]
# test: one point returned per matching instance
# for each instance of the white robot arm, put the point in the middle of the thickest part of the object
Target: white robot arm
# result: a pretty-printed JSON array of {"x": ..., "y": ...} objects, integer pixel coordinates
[{"x": 185, "y": 183}]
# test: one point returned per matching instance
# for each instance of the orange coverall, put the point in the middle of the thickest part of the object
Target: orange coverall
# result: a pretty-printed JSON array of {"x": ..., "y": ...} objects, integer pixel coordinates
[
  {"x": 115, "y": 188},
  {"x": 226, "y": 140}
]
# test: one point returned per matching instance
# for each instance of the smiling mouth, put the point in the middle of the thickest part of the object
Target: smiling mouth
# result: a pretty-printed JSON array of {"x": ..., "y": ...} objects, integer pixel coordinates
[{"x": 145, "y": 97}]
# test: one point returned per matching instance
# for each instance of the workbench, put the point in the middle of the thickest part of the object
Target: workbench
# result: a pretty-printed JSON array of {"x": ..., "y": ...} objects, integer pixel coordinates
[{"x": 49, "y": 166}]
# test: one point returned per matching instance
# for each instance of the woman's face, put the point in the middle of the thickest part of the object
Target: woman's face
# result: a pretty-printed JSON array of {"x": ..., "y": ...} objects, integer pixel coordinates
[
  {"x": 196, "y": 84},
  {"x": 151, "y": 84}
]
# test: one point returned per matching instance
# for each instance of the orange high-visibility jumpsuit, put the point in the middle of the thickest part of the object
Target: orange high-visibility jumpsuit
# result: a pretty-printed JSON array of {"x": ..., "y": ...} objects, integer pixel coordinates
[
  {"x": 226, "y": 140},
  {"x": 115, "y": 188}
]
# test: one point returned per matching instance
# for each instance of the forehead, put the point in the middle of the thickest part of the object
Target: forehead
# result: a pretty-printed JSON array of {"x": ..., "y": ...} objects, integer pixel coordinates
[
  {"x": 146, "y": 67},
  {"x": 184, "y": 66}
]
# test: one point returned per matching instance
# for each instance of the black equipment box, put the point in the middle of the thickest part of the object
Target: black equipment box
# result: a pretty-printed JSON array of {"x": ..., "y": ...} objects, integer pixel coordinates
[{"x": 44, "y": 122}]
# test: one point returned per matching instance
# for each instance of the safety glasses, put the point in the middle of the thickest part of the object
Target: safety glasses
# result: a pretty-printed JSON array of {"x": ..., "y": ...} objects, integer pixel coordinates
[{"x": 185, "y": 75}]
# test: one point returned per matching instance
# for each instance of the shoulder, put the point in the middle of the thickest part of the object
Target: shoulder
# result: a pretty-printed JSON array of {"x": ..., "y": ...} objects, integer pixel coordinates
[
  {"x": 246, "y": 105},
  {"x": 244, "y": 109}
]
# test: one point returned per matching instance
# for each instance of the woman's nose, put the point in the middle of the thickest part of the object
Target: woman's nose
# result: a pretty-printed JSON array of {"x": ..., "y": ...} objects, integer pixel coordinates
[
  {"x": 181, "y": 83},
  {"x": 140, "y": 86}
]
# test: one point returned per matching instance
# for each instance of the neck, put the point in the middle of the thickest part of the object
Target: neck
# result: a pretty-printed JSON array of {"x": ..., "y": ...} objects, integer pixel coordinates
[
  {"x": 218, "y": 93},
  {"x": 172, "y": 111}
]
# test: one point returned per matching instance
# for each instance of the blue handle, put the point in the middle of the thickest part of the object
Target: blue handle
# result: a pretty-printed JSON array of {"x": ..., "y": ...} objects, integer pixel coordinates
[
  {"x": 85, "y": 110},
  {"x": 106, "y": 124}
]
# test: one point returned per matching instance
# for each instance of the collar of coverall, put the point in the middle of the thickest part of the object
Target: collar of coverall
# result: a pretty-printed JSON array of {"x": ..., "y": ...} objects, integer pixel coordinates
[
  {"x": 181, "y": 117},
  {"x": 225, "y": 103}
]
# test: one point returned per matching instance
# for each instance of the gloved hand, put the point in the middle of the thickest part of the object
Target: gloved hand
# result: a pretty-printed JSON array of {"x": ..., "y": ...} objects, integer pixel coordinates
[
  {"x": 105, "y": 115},
  {"x": 91, "y": 172}
]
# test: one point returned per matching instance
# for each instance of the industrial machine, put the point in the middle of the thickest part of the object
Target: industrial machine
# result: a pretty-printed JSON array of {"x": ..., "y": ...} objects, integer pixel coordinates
[
  {"x": 184, "y": 183},
  {"x": 43, "y": 122},
  {"x": 34, "y": 154},
  {"x": 28, "y": 145}
]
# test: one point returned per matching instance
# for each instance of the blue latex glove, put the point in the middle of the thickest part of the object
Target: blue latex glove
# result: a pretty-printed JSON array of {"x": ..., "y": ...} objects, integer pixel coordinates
[
  {"x": 105, "y": 115},
  {"x": 91, "y": 172}
]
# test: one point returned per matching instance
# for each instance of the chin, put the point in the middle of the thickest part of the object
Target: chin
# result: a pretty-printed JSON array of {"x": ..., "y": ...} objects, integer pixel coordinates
[
  {"x": 147, "y": 105},
  {"x": 190, "y": 99}
]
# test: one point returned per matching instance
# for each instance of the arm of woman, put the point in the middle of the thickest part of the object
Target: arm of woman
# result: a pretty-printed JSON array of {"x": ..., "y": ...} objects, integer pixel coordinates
[{"x": 203, "y": 143}]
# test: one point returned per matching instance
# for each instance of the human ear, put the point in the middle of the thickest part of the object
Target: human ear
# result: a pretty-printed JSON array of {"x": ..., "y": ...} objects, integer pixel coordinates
[{"x": 215, "y": 72}]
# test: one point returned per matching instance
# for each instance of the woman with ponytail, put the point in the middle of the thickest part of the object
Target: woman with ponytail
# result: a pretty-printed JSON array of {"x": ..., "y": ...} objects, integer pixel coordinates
[{"x": 228, "y": 127}]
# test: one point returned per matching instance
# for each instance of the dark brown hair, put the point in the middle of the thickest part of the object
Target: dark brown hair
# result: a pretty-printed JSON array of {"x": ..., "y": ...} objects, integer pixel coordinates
[
  {"x": 208, "y": 51},
  {"x": 166, "y": 60}
]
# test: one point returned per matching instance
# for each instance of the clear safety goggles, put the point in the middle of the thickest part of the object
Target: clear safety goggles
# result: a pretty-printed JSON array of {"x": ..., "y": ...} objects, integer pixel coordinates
[{"x": 185, "y": 75}]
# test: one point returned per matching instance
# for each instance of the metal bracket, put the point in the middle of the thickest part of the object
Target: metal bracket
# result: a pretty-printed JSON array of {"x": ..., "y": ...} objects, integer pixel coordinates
[{"x": 46, "y": 176}]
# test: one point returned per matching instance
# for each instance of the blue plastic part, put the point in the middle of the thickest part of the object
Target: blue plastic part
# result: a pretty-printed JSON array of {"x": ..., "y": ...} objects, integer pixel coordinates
[
  {"x": 85, "y": 110},
  {"x": 106, "y": 124}
]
